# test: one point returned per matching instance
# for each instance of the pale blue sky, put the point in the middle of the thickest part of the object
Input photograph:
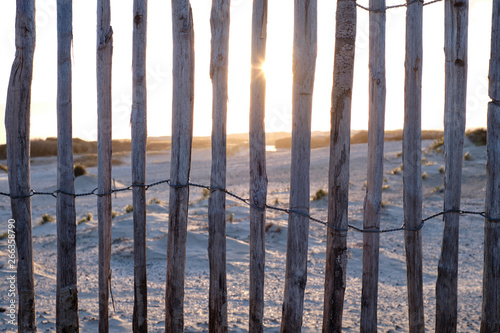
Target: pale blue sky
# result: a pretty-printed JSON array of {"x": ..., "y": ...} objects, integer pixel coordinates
[{"x": 280, "y": 35}]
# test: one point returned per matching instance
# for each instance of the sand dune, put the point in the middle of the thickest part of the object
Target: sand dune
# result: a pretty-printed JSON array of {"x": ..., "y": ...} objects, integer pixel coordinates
[{"x": 392, "y": 289}]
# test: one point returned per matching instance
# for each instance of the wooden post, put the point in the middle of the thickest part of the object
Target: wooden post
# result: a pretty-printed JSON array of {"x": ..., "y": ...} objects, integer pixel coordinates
[
  {"x": 104, "y": 58},
  {"x": 338, "y": 175},
  {"x": 372, "y": 205},
  {"x": 490, "y": 318},
  {"x": 219, "y": 22},
  {"x": 258, "y": 175},
  {"x": 17, "y": 128},
  {"x": 456, "y": 25},
  {"x": 303, "y": 66},
  {"x": 182, "y": 136},
  {"x": 67, "y": 291},
  {"x": 412, "y": 166},
  {"x": 139, "y": 138}
]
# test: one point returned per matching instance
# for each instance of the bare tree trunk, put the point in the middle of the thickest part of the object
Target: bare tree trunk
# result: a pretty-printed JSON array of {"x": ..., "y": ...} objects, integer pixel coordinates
[
  {"x": 412, "y": 169},
  {"x": 139, "y": 138},
  {"x": 258, "y": 176},
  {"x": 67, "y": 291},
  {"x": 182, "y": 137},
  {"x": 490, "y": 319},
  {"x": 219, "y": 21},
  {"x": 304, "y": 64},
  {"x": 372, "y": 204},
  {"x": 17, "y": 127},
  {"x": 104, "y": 58},
  {"x": 338, "y": 176},
  {"x": 456, "y": 25}
]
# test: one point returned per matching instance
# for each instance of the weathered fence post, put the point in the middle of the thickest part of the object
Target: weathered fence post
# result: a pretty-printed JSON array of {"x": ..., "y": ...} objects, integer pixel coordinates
[
  {"x": 372, "y": 205},
  {"x": 67, "y": 291},
  {"x": 139, "y": 138},
  {"x": 303, "y": 67},
  {"x": 104, "y": 58},
  {"x": 412, "y": 170},
  {"x": 17, "y": 128},
  {"x": 490, "y": 318},
  {"x": 338, "y": 175},
  {"x": 258, "y": 175},
  {"x": 456, "y": 25},
  {"x": 182, "y": 137},
  {"x": 219, "y": 22}
]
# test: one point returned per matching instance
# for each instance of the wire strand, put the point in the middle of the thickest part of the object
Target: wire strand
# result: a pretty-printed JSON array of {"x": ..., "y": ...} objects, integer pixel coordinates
[{"x": 247, "y": 202}]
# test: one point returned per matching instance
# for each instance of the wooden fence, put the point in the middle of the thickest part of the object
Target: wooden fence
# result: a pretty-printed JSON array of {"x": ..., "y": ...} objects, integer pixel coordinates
[{"x": 17, "y": 118}]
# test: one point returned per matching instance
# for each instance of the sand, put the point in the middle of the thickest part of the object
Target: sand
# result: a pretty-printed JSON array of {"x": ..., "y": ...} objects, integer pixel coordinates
[{"x": 392, "y": 301}]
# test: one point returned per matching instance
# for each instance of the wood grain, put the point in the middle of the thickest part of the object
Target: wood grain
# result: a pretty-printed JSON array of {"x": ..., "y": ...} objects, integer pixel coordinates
[
  {"x": 182, "y": 137},
  {"x": 17, "y": 128},
  {"x": 412, "y": 166},
  {"x": 338, "y": 175},
  {"x": 258, "y": 175},
  {"x": 138, "y": 156},
  {"x": 372, "y": 204},
  {"x": 456, "y": 25},
  {"x": 219, "y": 22},
  {"x": 66, "y": 291},
  {"x": 104, "y": 124},
  {"x": 303, "y": 68}
]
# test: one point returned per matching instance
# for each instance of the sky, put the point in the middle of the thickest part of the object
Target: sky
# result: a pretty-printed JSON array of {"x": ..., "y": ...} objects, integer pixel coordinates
[{"x": 278, "y": 67}]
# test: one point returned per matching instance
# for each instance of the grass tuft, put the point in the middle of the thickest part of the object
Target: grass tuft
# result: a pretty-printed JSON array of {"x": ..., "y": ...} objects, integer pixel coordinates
[
  {"x": 437, "y": 144},
  {"x": 320, "y": 194},
  {"x": 129, "y": 208},
  {"x": 397, "y": 170},
  {"x": 86, "y": 218},
  {"x": 45, "y": 219},
  {"x": 79, "y": 170},
  {"x": 154, "y": 201}
]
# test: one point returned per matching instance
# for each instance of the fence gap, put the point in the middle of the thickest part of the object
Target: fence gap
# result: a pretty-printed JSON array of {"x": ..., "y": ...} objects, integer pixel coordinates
[
  {"x": 182, "y": 137},
  {"x": 67, "y": 291},
  {"x": 17, "y": 128},
  {"x": 372, "y": 205},
  {"x": 258, "y": 175},
  {"x": 304, "y": 64},
  {"x": 456, "y": 25},
  {"x": 412, "y": 166},
  {"x": 490, "y": 318},
  {"x": 338, "y": 175},
  {"x": 104, "y": 60},
  {"x": 139, "y": 139},
  {"x": 219, "y": 22}
]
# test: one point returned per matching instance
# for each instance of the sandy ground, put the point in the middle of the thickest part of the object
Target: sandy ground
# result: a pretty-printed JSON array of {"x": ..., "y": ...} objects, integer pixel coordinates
[{"x": 392, "y": 301}]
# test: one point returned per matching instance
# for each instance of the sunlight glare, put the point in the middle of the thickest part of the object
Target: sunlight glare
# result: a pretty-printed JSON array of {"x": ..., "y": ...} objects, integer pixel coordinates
[{"x": 264, "y": 68}]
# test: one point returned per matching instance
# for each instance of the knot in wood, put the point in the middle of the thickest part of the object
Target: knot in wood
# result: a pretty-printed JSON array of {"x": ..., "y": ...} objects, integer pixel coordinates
[{"x": 137, "y": 18}]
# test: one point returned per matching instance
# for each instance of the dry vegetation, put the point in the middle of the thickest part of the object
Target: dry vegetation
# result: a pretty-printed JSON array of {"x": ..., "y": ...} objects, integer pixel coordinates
[
  {"x": 48, "y": 147},
  {"x": 320, "y": 141},
  {"x": 235, "y": 142},
  {"x": 477, "y": 136}
]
